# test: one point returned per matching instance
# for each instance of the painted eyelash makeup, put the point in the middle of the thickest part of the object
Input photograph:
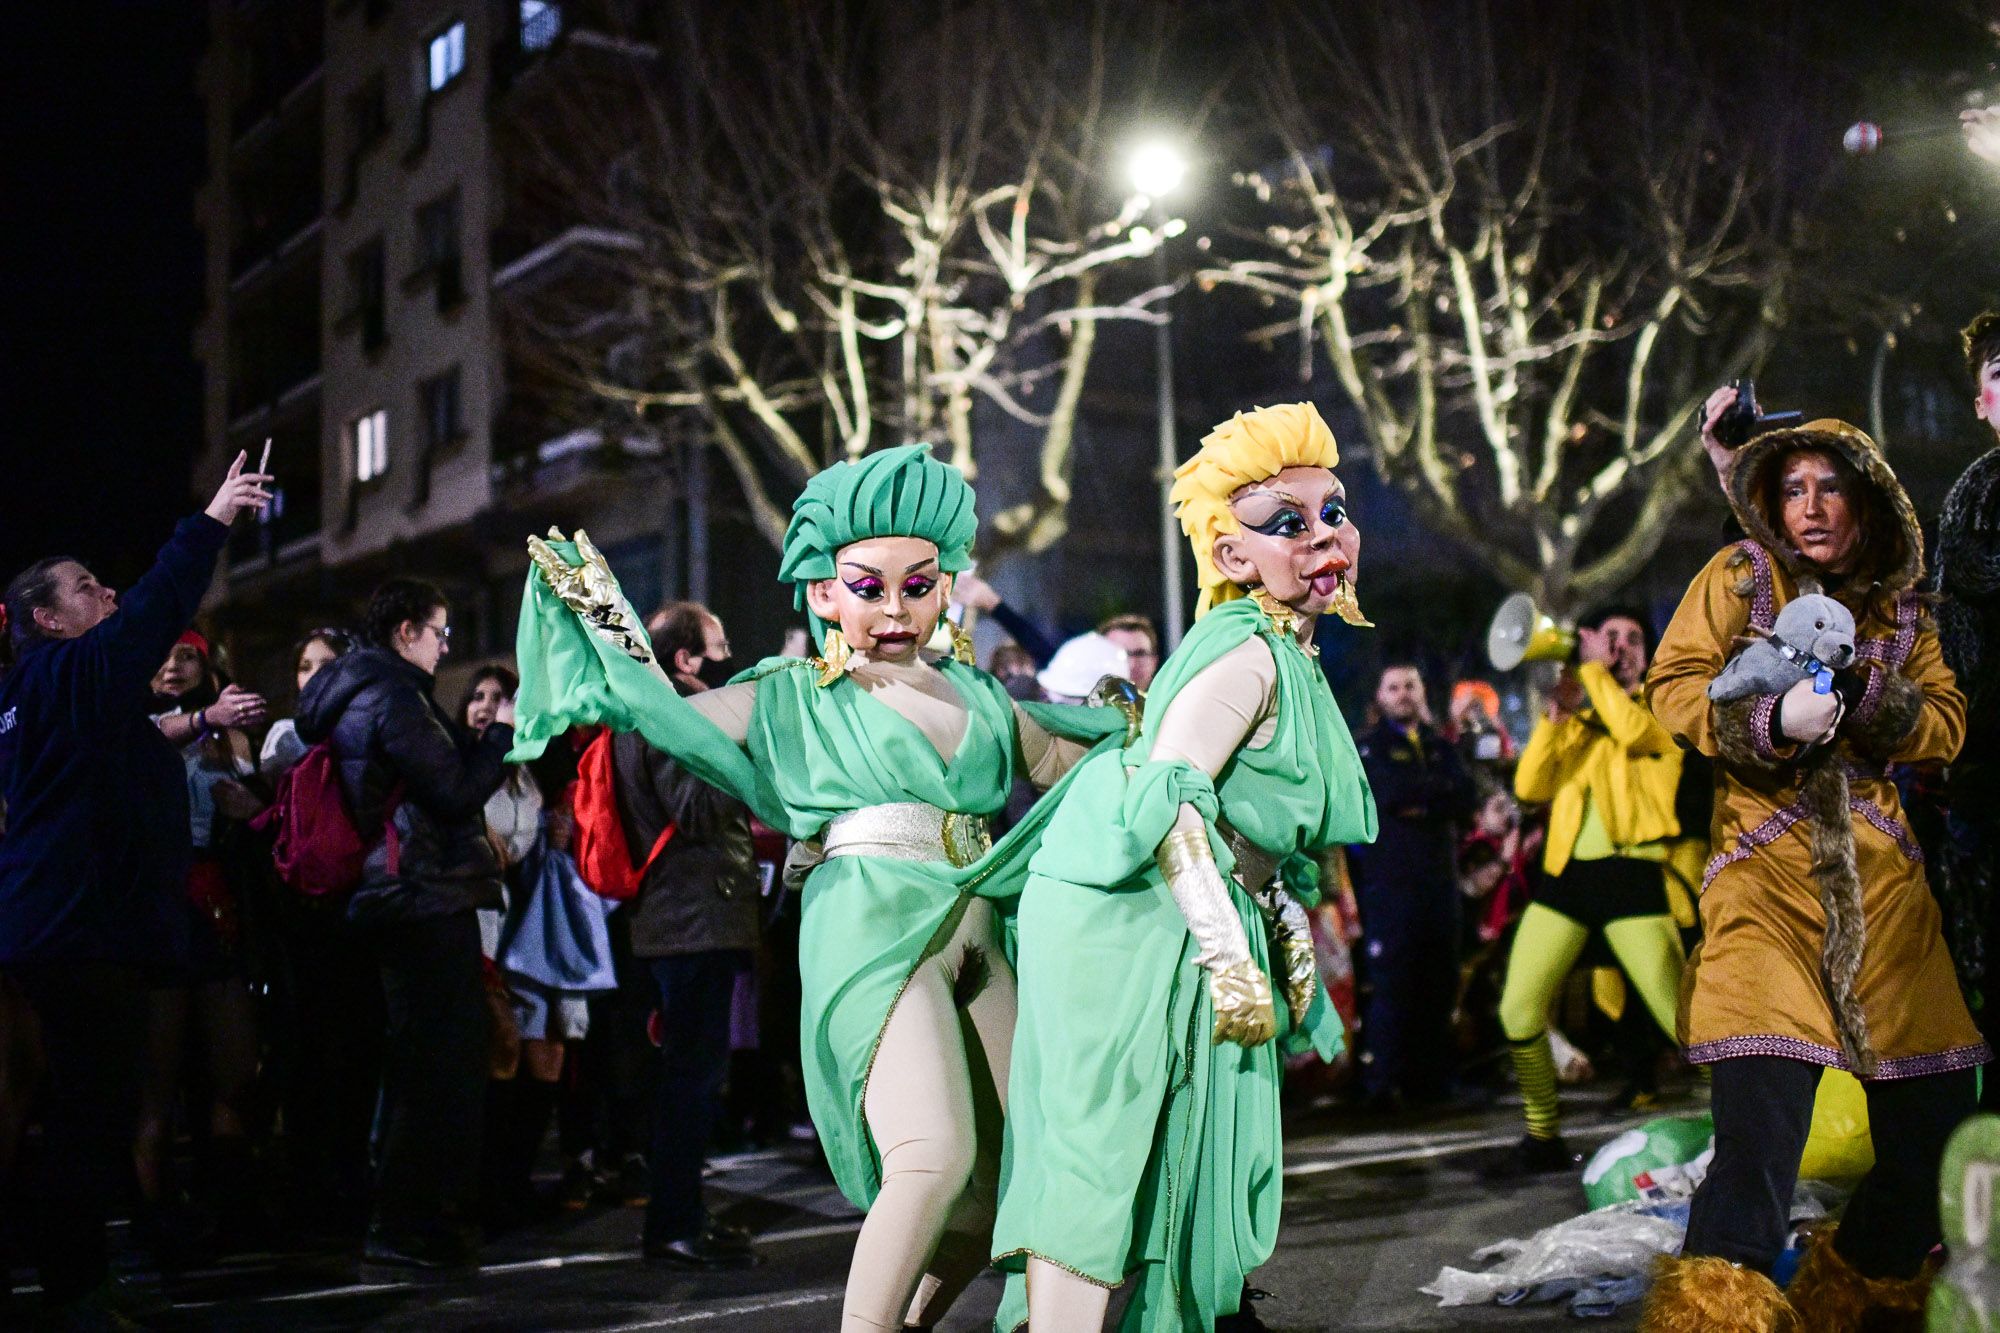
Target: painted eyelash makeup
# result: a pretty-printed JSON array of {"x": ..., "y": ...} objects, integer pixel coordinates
[
  {"x": 867, "y": 589},
  {"x": 1284, "y": 523},
  {"x": 1288, "y": 522}
]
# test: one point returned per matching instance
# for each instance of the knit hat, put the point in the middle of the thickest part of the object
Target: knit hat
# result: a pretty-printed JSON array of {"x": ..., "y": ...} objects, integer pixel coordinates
[
  {"x": 1248, "y": 447},
  {"x": 900, "y": 492}
]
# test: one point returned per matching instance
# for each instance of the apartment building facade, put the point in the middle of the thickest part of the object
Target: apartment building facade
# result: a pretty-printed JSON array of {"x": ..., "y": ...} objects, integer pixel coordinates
[{"x": 350, "y": 214}]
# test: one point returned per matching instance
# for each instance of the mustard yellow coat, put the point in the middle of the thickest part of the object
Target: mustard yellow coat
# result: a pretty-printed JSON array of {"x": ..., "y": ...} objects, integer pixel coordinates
[{"x": 1801, "y": 839}]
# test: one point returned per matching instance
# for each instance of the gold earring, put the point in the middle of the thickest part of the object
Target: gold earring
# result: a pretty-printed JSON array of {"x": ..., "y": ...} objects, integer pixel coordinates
[
  {"x": 1348, "y": 607},
  {"x": 832, "y": 661},
  {"x": 961, "y": 645}
]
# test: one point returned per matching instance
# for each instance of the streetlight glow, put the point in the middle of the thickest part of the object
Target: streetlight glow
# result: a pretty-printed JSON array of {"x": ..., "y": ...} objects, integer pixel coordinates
[{"x": 1156, "y": 168}]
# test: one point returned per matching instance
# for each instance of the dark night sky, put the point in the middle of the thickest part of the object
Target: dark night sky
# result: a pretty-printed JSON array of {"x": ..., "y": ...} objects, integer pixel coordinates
[{"x": 102, "y": 280}]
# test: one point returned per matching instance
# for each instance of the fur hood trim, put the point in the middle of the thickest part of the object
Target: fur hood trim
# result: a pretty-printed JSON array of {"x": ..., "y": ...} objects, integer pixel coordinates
[{"x": 1895, "y": 559}]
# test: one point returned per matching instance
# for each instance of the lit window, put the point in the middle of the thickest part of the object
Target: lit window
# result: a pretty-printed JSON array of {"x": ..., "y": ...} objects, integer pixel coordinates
[
  {"x": 447, "y": 55},
  {"x": 541, "y": 24},
  {"x": 371, "y": 444}
]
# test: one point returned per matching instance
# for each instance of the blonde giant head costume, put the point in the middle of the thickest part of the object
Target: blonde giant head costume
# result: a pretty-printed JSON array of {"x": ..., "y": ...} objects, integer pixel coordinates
[{"x": 1249, "y": 447}]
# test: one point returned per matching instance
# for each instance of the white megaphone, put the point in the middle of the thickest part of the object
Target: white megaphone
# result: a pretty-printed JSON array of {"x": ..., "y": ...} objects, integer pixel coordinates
[{"x": 1522, "y": 633}]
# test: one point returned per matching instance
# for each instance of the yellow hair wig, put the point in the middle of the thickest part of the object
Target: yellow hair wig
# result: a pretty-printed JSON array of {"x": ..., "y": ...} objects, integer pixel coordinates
[{"x": 1249, "y": 447}]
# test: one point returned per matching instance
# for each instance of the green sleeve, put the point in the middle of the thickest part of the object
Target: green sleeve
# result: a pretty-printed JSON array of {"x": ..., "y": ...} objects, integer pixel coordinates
[
  {"x": 571, "y": 676},
  {"x": 1075, "y": 722},
  {"x": 1112, "y": 820}
]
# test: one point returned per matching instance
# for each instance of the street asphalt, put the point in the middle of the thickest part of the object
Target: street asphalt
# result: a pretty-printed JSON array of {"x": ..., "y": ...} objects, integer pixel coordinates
[{"x": 1373, "y": 1208}]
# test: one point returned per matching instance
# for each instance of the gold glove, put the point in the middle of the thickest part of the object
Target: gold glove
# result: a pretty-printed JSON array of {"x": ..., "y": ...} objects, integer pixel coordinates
[
  {"x": 591, "y": 590},
  {"x": 1241, "y": 994},
  {"x": 1239, "y": 988},
  {"x": 1291, "y": 948}
]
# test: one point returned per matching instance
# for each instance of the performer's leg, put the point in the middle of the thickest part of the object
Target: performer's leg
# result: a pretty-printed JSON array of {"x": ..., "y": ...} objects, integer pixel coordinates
[
  {"x": 919, "y": 1110},
  {"x": 1649, "y": 949},
  {"x": 1061, "y": 1301},
  {"x": 985, "y": 989},
  {"x": 1546, "y": 946},
  {"x": 1891, "y": 1223},
  {"x": 1763, "y": 1109}
]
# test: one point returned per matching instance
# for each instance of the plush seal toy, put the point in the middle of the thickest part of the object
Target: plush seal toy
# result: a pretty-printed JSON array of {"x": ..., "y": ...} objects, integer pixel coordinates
[{"x": 1814, "y": 638}]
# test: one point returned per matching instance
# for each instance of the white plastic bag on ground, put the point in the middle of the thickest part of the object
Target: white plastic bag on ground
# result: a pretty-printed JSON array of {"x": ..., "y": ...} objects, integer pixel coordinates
[
  {"x": 1615, "y": 1242},
  {"x": 1605, "y": 1249}
]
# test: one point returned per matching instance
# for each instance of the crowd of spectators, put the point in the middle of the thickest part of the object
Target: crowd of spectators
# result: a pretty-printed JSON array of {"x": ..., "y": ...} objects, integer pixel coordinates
[{"x": 246, "y": 1027}]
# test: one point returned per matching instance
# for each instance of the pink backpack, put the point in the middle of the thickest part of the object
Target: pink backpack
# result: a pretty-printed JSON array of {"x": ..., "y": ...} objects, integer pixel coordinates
[{"x": 319, "y": 852}]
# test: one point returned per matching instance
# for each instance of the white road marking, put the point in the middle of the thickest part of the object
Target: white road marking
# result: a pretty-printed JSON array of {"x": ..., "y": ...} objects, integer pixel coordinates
[
  {"x": 753, "y": 1307},
  {"x": 1462, "y": 1142},
  {"x": 1400, "y": 1155}
]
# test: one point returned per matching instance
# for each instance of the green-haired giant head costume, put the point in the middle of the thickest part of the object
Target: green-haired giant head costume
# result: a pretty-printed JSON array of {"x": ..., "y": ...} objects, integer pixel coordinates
[{"x": 900, "y": 492}]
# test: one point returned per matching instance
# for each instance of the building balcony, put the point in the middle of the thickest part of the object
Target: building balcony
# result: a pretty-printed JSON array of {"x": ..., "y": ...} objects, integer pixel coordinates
[{"x": 260, "y": 257}]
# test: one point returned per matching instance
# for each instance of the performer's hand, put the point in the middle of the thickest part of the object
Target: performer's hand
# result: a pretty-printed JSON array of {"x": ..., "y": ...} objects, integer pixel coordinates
[
  {"x": 504, "y": 713},
  {"x": 240, "y": 490},
  {"x": 1720, "y": 456},
  {"x": 591, "y": 590},
  {"x": 1241, "y": 994},
  {"x": 1808, "y": 717},
  {"x": 1292, "y": 949}
]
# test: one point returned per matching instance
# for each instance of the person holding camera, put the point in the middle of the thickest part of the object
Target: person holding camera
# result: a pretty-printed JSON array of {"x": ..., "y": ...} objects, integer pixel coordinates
[
  {"x": 1607, "y": 771},
  {"x": 1821, "y": 943},
  {"x": 93, "y": 870}
]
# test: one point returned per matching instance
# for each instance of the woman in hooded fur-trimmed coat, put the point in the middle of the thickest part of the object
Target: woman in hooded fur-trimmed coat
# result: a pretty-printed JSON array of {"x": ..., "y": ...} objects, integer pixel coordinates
[{"x": 1821, "y": 941}]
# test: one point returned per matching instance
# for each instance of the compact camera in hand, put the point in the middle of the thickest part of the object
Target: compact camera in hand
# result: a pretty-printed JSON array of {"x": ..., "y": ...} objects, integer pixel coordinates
[{"x": 1742, "y": 421}]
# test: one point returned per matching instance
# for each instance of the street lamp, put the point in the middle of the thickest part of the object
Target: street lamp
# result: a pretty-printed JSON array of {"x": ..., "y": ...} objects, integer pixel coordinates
[{"x": 1156, "y": 169}]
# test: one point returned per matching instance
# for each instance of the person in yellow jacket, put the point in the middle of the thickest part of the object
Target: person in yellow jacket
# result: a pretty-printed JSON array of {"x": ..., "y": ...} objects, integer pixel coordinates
[{"x": 1608, "y": 772}]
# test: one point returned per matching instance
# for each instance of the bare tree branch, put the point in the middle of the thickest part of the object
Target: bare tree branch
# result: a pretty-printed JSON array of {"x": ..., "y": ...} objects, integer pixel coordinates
[{"x": 841, "y": 228}]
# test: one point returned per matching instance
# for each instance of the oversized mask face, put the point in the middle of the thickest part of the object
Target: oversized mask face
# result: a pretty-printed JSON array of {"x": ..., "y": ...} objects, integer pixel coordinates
[
  {"x": 886, "y": 595},
  {"x": 1297, "y": 542}
]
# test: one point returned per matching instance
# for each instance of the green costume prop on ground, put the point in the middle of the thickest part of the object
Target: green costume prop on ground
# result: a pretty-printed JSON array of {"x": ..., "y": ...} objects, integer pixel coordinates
[{"x": 1136, "y": 1147}]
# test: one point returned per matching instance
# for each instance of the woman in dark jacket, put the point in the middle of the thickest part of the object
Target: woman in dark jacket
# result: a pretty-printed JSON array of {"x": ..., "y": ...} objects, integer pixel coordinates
[
  {"x": 417, "y": 785},
  {"x": 94, "y": 864}
]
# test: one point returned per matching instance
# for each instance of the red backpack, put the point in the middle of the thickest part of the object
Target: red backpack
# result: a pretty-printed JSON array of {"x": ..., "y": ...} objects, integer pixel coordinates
[
  {"x": 603, "y": 856},
  {"x": 318, "y": 851}
]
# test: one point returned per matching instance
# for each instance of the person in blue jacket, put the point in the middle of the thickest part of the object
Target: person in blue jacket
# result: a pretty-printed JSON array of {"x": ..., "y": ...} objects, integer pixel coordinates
[{"x": 93, "y": 867}]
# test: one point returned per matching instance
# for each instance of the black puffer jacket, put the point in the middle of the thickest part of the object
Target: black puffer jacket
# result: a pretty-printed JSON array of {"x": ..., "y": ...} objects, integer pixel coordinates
[
  {"x": 702, "y": 891},
  {"x": 388, "y": 732}
]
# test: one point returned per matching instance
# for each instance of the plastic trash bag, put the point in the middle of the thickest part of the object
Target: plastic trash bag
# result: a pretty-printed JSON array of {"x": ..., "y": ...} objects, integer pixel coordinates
[
  {"x": 1610, "y": 1243},
  {"x": 1596, "y": 1261},
  {"x": 1660, "y": 1160},
  {"x": 1838, "y": 1146}
]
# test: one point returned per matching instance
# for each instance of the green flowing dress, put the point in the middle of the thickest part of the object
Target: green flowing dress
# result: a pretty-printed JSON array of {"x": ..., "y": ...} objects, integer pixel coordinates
[
  {"x": 1136, "y": 1147},
  {"x": 814, "y": 752}
]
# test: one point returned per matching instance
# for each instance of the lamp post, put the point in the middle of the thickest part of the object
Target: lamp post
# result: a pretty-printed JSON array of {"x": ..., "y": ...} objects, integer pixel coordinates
[{"x": 1156, "y": 169}]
